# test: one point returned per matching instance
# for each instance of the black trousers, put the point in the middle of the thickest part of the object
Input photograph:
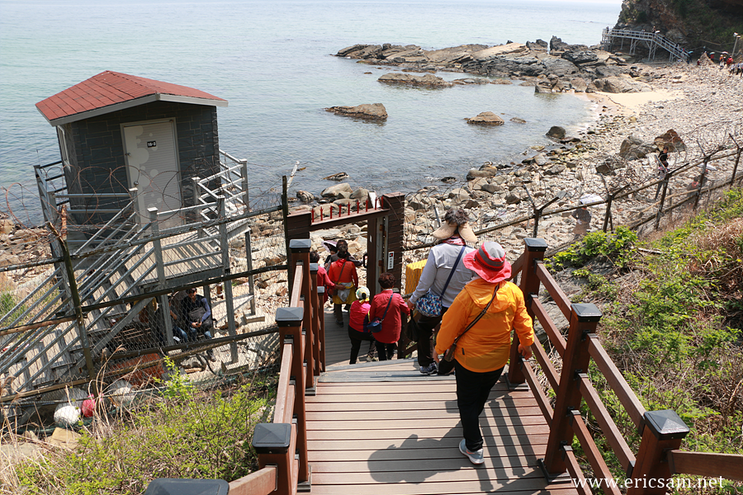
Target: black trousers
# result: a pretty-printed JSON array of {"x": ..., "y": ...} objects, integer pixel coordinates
[
  {"x": 385, "y": 351},
  {"x": 426, "y": 328},
  {"x": 472, "y": 394},
  {"x": 356, "y": 339}
]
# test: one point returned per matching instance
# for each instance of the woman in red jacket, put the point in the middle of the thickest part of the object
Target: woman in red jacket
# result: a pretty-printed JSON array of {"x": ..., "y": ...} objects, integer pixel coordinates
[
  {"x": 392, "y": 321},
  {"x": 322, "y": 276}
]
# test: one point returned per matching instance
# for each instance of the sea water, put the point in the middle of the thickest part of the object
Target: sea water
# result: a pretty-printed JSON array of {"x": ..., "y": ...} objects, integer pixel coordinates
[{"x": 272, "y": 60}]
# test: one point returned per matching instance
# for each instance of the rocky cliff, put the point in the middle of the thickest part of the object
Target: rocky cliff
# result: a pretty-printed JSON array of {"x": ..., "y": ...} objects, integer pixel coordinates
[{"x": 695, "y": 24}]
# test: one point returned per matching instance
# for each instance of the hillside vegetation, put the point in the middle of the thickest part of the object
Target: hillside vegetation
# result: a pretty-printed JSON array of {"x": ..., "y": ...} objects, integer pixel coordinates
[
  {"x": 673, "y": 321},
  {"x": 695, "y": 24}
]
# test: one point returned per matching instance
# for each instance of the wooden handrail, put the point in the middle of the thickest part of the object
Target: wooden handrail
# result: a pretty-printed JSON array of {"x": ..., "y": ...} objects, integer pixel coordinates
[
  {"x": 554, "y": 290},
  {"x": 708, "y": 464},
  {"x": 616, "y": 381},
  {"x": 261, "y": 482},
  {"x": 600, "y": 469},
  {"x": 517, "y": 265},
  {"x": 282, "y": 389},
  {"x": 575, "y": 471},
  {"x": 296, "y": 294},
  {"x": 608, "y": 427},
  {"x": 547, "y": 368},
  {"x": 557, "y": 340},
  {"x": 542, "y": 401}
]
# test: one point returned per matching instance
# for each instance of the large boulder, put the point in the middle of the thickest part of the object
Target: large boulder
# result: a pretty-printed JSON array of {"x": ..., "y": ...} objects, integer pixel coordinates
[
  {"x": 338, "y": 191},
  {"x": 579, "y": 84},
  {"x": 579, "y": 57},
  {"x": 610, "y": 164},
  {"x": 539, "y": 45},
  {"x": 633, "y": 148},
  {"x": 559, "y": 66},
  {"x": 305, "y": 196},
  {"x": 345, "y": 52},
  {"x": 621, "y": 84},
  {"x": 485, "y": 118},
  {"x": 556, "y": 132},
  {"x": 486, "y": 170},
  {"x": 671, "y": 139},
  {"x": 361, "y": 194},
  {"x": 427, "y": 80},
  {"x": 369, "y": 111}
]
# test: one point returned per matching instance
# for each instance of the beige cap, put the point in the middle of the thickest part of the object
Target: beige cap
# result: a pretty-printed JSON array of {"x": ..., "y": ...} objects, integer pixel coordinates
[{"x": 449, "y": 229}]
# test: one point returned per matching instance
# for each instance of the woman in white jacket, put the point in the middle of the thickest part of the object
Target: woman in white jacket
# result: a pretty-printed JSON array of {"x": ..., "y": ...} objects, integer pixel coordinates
[{"x": 444, "y": 275}]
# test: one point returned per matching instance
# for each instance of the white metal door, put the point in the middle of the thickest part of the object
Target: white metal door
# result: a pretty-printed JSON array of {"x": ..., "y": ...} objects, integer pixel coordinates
[{"x": 152, "y": 161}]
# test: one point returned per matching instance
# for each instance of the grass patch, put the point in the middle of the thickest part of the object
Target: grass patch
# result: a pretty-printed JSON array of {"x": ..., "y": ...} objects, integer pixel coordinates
[{"x": 181, "y": 433}]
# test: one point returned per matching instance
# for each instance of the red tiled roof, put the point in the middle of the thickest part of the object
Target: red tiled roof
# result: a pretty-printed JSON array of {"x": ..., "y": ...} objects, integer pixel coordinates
[{"x": 92, "y": 96}]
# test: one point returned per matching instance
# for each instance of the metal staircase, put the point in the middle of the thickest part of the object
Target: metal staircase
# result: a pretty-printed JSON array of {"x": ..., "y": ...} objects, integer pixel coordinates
[
  {"x": 652, "y": 41},
  {"x": 59, "y": 332}
]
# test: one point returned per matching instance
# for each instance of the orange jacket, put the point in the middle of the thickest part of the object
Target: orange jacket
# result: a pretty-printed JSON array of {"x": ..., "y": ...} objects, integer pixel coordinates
[{"x": 485, "y": 346}]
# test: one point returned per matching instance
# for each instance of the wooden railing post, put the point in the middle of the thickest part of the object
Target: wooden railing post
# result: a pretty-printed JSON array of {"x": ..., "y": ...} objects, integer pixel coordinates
[
  {"x": 300, "y": 256},
  {"x": 533, "y": 254},
  {"x": 289, "y": 321},
  {"x": 317, "y": 344},
  {"x": 271, "y": 442},
  {"x": 662, "y": 432},
  {"x": 321, "y": 324},
  {"x": 583, "y": 321}
]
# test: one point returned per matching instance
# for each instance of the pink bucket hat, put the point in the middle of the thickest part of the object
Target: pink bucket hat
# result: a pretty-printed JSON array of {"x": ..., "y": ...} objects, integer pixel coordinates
[{"x": 489, "y": 262}]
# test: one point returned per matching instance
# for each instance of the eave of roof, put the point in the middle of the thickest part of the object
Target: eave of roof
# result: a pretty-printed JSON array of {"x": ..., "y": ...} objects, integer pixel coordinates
[{"x": 113, "y": 91}]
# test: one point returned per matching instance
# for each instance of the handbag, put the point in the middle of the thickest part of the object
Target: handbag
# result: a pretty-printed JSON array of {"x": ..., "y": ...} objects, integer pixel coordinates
[
  {"x": 375, "y": 325},
  {"x": 335, "y": 284},
  {"x": 449, "y": 354},
  {"x": 429, "y": 304}
]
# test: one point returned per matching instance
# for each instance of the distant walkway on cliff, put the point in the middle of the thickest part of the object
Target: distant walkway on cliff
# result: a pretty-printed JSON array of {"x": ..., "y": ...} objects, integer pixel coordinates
[{"x": 652, "y": 41}]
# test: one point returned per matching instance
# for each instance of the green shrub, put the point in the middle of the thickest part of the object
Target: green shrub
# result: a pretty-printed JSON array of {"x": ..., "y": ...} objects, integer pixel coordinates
[
  {"x": 183, "y": 433},
  {"x": 616, "y": 246}
]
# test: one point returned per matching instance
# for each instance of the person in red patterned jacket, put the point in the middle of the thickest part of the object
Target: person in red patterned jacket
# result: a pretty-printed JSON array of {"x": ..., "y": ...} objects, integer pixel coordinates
[
  {"x": 322, "y": 276},
  {"x": 392, "y": 321}
]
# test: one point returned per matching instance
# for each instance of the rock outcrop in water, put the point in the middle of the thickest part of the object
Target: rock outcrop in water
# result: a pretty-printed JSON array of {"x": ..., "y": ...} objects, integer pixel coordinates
[
  {"x": 485, "y": 118},
  {"x": 369, "y": 111},
  {"x": 564, "y": 67},
  {"x": 427, "y": 80}
]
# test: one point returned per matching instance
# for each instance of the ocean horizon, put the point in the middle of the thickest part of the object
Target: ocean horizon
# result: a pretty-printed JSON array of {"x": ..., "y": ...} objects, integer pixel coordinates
[{"x": 274, "y": 64}]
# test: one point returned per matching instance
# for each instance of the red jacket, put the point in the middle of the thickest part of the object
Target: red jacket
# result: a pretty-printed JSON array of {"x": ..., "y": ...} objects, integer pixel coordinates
[
  {"x": 324, "y": 280},
  {"x": 357, "y": 315},
  {"x": 392, "y": 323}
]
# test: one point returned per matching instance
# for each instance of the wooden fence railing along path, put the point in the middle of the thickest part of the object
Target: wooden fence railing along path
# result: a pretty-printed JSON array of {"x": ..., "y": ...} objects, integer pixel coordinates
[{"x": 282, "y": 444}]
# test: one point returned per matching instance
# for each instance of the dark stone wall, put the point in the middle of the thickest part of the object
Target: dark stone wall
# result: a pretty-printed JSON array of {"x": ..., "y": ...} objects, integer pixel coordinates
[{"x": 97, "y": 161}]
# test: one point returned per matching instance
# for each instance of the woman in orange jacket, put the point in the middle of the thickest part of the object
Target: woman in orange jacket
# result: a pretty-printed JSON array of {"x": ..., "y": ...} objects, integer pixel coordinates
[
  {"x": 342, "y": 273},
  {"x": 482, "y": 316}
]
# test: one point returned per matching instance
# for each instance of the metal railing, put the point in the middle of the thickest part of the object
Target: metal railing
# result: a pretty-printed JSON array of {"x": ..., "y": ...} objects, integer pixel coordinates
[{"x": 652, "y": 41}]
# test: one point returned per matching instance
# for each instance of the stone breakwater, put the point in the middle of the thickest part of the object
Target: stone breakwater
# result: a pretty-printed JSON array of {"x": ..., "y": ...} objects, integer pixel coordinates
[{"x": 553, "y": 67}]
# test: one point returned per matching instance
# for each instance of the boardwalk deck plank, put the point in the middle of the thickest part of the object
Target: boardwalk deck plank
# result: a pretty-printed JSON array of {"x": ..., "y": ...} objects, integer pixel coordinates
[{"x": 384, "y": 428}]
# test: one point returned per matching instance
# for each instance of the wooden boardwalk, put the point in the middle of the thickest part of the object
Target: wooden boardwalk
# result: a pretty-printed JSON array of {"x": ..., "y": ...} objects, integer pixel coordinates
[{"x": 384, "y": 428}]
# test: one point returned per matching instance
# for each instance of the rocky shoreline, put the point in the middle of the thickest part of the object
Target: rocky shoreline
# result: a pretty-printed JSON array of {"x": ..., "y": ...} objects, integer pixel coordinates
[
  {"x": 619, "y": 148},
  {"x": 692, "y": 108},
  {"x": 550, "y": 67}
]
